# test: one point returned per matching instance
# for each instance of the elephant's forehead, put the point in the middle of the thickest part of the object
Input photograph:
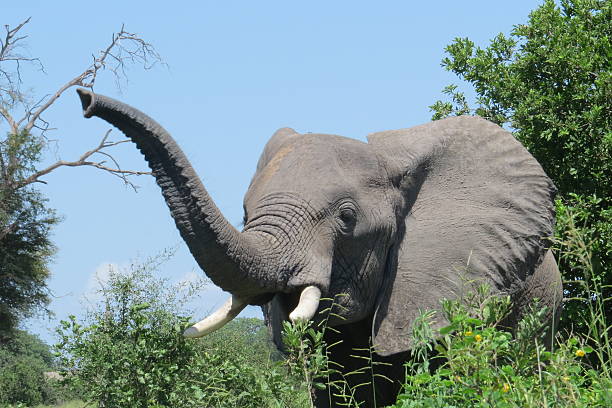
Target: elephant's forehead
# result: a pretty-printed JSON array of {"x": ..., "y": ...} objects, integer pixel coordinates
[
  {"x": 331, "y": 153},
  {"x": 315, "y": 164}
]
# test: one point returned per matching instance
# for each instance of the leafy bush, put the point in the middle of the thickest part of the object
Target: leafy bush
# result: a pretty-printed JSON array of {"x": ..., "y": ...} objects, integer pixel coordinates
[
  {"x": 311, "y": 358},
  {"x": 131, "y": 353},
  {"x": 485, "y": 366},
  {"x": 21, "y": 379}
]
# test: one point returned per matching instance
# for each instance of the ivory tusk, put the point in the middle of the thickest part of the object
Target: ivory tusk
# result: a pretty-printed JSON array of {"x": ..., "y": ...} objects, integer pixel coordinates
[
  {"x": 218, "y": 319},
  {"x": 308, "y": 304}
]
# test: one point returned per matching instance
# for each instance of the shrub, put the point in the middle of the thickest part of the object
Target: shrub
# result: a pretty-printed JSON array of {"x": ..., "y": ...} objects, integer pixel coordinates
[
  {"x": 485, "y": 366},
  {"x": 131, "y": 353},
  {"x": 21, "y": 379}
]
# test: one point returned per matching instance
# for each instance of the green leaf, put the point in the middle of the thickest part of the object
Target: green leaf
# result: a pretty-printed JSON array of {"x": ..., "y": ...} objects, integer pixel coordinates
[
  {"x": 448, "y": 329},
  {"x": 474, "y": 322}
]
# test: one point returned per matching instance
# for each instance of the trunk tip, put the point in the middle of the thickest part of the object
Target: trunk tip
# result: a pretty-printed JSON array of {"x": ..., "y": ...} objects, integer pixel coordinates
[{"x": 87, "y": 101}]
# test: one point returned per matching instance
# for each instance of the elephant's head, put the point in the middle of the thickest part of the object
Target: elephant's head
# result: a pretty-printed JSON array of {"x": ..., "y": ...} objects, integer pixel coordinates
[{"x": 386, "y": 228}]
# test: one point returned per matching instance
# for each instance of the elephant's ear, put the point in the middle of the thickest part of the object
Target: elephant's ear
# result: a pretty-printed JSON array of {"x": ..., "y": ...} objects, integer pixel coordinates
[
  {"x": 475, "y": 207},
  {"x": 276, "y": 148},
  {"x": 274, "y": 145}
]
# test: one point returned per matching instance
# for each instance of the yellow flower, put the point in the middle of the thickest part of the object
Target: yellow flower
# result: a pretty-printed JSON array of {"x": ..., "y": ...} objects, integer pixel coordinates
[
  {"x": 468, "y": 333},
  {"x": 566, "y": 378},
  {"x": 580, "y": 353},
  {"x": 478, "y": 337},
  {"x": 506, "y": 387},
  {"x": 458, "y": 378}
]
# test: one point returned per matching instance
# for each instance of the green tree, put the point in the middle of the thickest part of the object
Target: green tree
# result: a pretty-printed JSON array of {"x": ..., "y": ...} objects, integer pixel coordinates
[
  {"x": 25, "y": 218},
  {"x": 550, "y": 82},
  {"x": 25, "y": 223},
  {"x": 23, "y": 363}
]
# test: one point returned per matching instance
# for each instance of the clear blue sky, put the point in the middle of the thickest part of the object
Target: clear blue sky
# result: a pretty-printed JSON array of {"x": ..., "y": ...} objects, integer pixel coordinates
[{"x": 237, "y": 72}]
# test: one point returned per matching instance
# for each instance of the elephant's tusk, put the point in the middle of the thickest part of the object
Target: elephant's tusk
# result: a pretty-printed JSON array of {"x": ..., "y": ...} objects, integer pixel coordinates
[
  {"x": 218, "y": 319},
  {"x": 308, "y": 305}
]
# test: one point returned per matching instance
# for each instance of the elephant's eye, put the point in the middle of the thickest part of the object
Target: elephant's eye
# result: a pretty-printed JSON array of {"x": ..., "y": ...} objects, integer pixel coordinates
[{"x": 348, "y": 216}]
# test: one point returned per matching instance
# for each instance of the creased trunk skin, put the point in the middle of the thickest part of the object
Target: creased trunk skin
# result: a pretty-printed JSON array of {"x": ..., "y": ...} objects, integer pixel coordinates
[{"x": 234, "y": 261}]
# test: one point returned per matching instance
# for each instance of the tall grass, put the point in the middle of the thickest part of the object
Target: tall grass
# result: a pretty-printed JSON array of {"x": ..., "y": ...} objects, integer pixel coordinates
[{"x": 576, "y": 246}]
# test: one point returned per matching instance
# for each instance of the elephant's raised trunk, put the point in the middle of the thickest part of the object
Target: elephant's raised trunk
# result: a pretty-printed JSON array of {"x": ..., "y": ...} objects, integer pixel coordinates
[{"x": 234, "y": 261}]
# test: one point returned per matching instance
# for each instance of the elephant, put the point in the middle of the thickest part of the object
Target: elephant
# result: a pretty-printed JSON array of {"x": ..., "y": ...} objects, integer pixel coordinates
[{"x": 387, "y": 228}]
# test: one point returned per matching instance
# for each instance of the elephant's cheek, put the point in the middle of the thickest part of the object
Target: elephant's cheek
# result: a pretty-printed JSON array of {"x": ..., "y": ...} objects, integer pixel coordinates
[{"x": 356, "y": 292}]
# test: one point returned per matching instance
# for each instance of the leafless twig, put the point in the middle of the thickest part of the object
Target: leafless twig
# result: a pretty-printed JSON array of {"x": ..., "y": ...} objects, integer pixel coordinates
[
  {"x": 124, "y": 48},
  {"x": 83, "y": 161}
]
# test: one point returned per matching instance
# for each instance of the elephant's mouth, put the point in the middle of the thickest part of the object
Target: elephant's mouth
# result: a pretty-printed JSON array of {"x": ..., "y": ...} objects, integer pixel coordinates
[
  {"x": 301, "y": 304},
  {"x": 289, "y": 301},
  {"x": 298, "y": 306}
]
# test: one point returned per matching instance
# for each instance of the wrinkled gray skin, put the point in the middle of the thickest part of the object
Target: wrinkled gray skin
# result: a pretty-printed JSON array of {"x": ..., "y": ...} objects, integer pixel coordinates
[{"x": 394, "y": 225}]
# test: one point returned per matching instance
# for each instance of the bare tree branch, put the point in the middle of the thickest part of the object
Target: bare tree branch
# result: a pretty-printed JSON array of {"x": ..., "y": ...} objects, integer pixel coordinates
[
  {"x": 82, "y": 161},
  {"x": 9, "y": 54},
  {"x": 10, "y": 41},
  {"x": 124, "y": 48},
  {"x": 7, "y": 116},
  {"x": 33, "y": 117}
]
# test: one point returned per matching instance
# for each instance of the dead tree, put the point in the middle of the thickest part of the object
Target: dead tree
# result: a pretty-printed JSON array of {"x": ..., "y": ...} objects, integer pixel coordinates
[{"x": 124, "y": 48}]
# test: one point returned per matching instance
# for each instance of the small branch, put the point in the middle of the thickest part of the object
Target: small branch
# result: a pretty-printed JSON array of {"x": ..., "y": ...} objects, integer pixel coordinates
[
  {"x": 8, "y": 54},
  {"x": 123, "y": 46},
  {"x": 7, "y": 116},
  {"x": 36, "y": 115},
  {"x": 82, "y": 161},
  {"x": 9, "y": 41}
]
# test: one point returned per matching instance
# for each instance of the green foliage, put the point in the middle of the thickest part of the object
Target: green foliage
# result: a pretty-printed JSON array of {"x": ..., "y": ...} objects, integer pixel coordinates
[
  {"x": 131, "y": 353},
  {"x": 576, "y": 248},
  {"x": 244, "y": 337},
  {"x": 29, "y": 345},
  {"x": 484, "y": 366},
  {"x": 25, "y": 223},
  {"x": 21, "y": 379},
  {"x": 239, "y": 367},
  {"x": 306, "y": 352},
  {"x": 550, "y": 81},
  {"x": 23, "y": 362}
]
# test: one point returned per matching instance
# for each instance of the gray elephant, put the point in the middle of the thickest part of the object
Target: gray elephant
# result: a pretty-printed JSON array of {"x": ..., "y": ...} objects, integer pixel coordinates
[{"x": 394, "y": 225}]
